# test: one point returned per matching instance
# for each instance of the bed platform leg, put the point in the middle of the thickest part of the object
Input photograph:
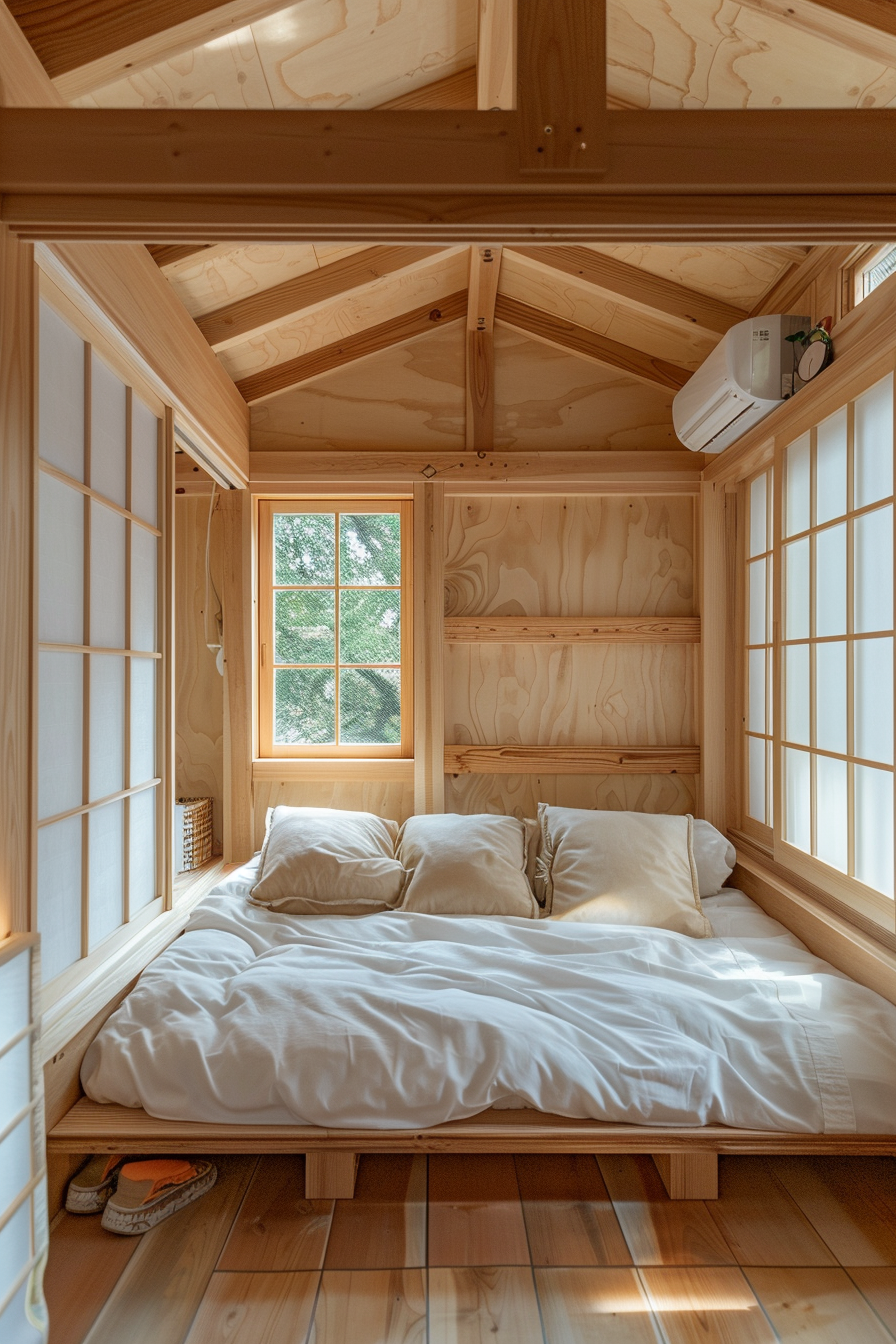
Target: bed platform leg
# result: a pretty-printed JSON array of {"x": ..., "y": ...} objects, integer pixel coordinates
[
  {"x": 330, "y": 1175},
  {"x": 689, "y": 1175}
]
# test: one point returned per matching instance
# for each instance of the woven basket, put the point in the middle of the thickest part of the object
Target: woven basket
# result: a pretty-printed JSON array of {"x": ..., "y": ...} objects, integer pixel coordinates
[{"x": 196, "y": 814}]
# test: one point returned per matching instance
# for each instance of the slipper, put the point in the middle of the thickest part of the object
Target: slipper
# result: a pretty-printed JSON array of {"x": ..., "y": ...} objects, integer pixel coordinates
[
  {"x": 90, "y": 1189},
  {"x": 149, "y": 1192}
]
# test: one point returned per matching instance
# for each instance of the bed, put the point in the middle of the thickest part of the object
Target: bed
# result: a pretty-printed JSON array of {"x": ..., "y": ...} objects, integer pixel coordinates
[{"x": 404, "y": 1032}]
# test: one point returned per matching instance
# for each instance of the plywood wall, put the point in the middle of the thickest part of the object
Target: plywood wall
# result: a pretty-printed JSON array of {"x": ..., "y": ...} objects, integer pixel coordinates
[
  {"x": 393, "y": 799},
  {"x": 199, "y": 690}
]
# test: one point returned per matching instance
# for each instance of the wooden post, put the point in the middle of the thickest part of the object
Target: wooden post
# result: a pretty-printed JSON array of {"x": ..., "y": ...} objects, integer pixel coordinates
[
  {"x": 429, "y": 603},
  {"x": 485, "y": 267},
  {"x": 562, "y": 86},
  {"x": 237, "y": 600},
  {"x": 689, "y": 1175},
  {"x": 330, "y": 1175},
  {"x": 713, "y": 584},
  {"x": 496, "y": 56}
]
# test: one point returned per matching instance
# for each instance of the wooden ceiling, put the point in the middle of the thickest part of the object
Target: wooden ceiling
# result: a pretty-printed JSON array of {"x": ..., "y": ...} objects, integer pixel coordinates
[{"x": 424, "y": 347}]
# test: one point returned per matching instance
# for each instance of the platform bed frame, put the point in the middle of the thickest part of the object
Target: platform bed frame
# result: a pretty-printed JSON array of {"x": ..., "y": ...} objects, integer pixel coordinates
[{"x": 687, "y": 1159}]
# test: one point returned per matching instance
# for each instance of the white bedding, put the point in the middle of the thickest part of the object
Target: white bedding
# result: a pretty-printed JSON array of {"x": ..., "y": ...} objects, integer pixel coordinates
[{"x": 405, "y": 1020}]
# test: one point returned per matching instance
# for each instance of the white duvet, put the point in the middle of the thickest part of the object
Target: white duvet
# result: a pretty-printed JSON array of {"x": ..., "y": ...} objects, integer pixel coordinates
[{"x": 407, "y": 1020}]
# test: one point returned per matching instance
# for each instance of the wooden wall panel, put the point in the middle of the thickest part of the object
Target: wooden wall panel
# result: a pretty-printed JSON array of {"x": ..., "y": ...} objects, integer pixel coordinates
[
  {"x": 594, "y": 696},
  {"x": 519, "y": 795},
  {"x": 199, "y": 690},
  {"x": 569, "y": 556},
  {"x": 393, "y": 799}
]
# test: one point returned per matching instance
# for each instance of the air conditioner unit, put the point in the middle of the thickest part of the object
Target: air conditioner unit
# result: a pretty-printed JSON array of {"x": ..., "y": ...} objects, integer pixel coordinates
[{"x": 750, "y": 372}]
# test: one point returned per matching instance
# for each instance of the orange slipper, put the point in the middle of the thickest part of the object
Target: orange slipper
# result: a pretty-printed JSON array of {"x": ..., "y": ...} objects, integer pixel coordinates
[{"x": 149, "y": 1192}]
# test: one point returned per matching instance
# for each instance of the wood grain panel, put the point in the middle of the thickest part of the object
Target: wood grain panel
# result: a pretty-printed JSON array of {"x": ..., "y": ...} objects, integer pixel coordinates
[
  {"x": 737, "y": 275},
  {"x": 255, "y": 1309},
  {"x": 199, "y": 690},
  {"x": 475, "y": 1215},
  {"x": 852, "y": 1206},
  {"x": 18, "y": 284},
  {"x": 760, "y": 1222},
  {"x": 469, "y": 1306},
  {"x": 380, "y": 1306},
  {"x": 277, "y": 1229},
  {"x": 569, "y": 556},
  {"x": 568, "y": 1212},
  {"x": 878, "y": 1286},
  {"x": 84, "y": 1265},
  {"x": 580, "y": 1306},
  {"x": 659, "y": 1230},
  {"x": 696, "y": 1305},
  {"x": 821, "y": 1305},
  {"x": 570, "y": 696},
  {"x": 519, "y": 795},
  {"x": 571, "y": 630},
  {"x": 384, "y": 1225},
  {"x": 386, "y": 798}
]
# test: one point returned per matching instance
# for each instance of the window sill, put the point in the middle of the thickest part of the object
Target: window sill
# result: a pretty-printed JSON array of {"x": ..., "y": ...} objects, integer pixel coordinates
[{"x": 395, "y": 769}]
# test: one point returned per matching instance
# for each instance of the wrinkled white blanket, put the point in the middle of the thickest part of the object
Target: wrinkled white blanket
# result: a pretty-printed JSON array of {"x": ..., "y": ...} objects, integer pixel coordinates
[{"x": 405, "y": 1020}]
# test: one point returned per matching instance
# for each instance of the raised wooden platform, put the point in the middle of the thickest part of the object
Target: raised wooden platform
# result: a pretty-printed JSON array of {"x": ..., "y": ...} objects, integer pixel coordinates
[{"x": 93, "y": 1128}]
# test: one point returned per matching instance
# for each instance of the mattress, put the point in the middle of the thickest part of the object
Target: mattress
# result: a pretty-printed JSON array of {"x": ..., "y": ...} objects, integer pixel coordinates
[{"x": 404, "y": 1020}]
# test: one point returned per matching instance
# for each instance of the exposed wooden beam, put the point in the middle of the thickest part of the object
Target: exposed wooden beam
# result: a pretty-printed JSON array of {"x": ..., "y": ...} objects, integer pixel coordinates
[
  {"x": 557, "y": 331},
  {"x": 517, "y": 760},
  {"x": 268, "y": 382},
  {"x": 167, "y": 255},
  {"x": 879, "y": 14},
  {"x": 496, "y": 55},
  {"x": 485, "y": 268},
  {"x": 572, "y": 630},
  {"x": 562, "y": 86},
  {"x": 442, "y": 177},
  {"x": 868, "y": 29},
  {"x": 646, "y": 292},
  {"x": 787, "y": 289},
  {"x": 238, "y": 321},
  {"x": 454, "y": 91}
]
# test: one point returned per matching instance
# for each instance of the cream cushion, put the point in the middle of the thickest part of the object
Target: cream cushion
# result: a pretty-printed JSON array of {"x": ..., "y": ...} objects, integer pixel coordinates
[
  {"x": 466, "y": 865},
  {"x": 320, "y": 861},
  {"x": 620, "y": 868}
]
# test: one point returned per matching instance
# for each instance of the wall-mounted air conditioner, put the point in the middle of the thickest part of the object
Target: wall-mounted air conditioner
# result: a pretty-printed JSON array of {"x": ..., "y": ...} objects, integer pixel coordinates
[{"x": 750, "y": 372}]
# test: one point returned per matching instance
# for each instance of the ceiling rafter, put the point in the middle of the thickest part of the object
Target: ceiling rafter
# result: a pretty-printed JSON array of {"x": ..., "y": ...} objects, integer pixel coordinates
[
  {"x": 788, "y": 288},
  {"x": 417, "y": 322},
  {"x": 866, "y": 28},
  {"x": 568, "y": 336},
  {"x": 244, "y": 318},
  {"x": 647, "y": 292},
  {"x": 167, "y": 254},
  {"x": 485, "y": 268},
  {"x": 879, "y": 14},
  {"x": 453, "y": 92}
]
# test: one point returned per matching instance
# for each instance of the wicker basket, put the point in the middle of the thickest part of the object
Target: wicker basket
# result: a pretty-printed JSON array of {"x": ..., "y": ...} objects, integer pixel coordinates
[{"x": 193, "y": 822}]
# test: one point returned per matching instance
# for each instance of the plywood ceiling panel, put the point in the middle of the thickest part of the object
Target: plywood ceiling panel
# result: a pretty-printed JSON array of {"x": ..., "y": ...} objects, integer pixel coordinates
[
  {"x": 739, "y": 275},
  {"x": 225, "y": 73}
]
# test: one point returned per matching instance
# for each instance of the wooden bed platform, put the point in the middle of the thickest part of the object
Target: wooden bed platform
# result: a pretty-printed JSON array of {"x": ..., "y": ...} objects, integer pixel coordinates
[{"x": 687, "y": 1159}]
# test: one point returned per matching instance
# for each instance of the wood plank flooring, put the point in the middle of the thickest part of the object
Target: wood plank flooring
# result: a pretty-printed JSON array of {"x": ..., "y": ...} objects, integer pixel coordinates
[{"x": 456, "y": 1249}]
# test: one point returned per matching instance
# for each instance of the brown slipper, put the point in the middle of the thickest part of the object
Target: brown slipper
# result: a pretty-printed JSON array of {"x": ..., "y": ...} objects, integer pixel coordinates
[{"x": 90, "y": 1189}]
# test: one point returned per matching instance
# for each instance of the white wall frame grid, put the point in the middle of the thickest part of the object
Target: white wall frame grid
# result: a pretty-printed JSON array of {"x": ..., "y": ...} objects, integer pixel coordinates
[{"x": 101, "y": 651}]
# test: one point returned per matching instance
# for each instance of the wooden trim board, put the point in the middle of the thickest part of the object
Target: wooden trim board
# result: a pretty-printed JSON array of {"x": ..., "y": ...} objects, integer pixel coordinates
[
  {"x": 512, "y": 759},
  {"x": 572, "y": 630}
]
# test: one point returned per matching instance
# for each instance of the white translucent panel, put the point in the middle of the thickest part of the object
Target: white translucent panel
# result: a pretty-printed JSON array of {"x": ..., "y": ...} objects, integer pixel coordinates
[
  {"x": 16, "y": 1164},
  {"x": 796, "y": 693},
  {"x": 873, "y": 695},
  {"x": 142, "y": 886},
  {"x": 15, "y": 1080},
  {"x": 15, "y": 1247},
  {"x": 107, "y": 577},
  {"x": 874, "y": 443},
  {"x": 758, "y": 515},
  {"x": 770, "y": 778},
  {"x": 145, "y": 464},
  {"x": 831, "y": 812},
  {"x": 757, "y": 688},
  {"x": 143, "y": 721},
  {"x": 830, "y": 581},
  {"x": 796, "y": 590},
  {"x": 60, "y": 715},
  {"x": 15, "y": 1327},
  {"x": 108, "y": 433},
  {"x": 830, "y": 468},
  {"x": 144, "y": 559},
  {"x": 797, "y": 799},
  {"x": 830, "y": 696},
  {"x": 796, "y": 489},
  {"x": 756, "y": 781},
  {"x": 61, "y": 395},
  {"x": 60, "y": 525},
  {"x": 874, "y": 828},
  {"x": 105, "y": 840},
  {"x": 59, "y": 895},
  {"x": 757, "y": 617},
  {"x": 15, "y": 996},
  {"x": 873, "y": 570},
  {"x": 106, "y": 746}
]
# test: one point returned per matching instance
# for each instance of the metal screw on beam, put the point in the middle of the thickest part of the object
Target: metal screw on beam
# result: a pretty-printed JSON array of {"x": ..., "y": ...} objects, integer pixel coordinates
[{"x": 549, "y": 130}]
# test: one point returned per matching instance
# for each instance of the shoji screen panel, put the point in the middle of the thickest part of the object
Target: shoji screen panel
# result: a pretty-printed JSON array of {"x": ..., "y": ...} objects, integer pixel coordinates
[
  {"x": 99, "y": 759},
  {"x": 759, "y": 711}
]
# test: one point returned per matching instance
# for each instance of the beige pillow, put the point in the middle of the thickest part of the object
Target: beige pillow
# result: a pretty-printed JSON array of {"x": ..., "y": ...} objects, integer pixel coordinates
[
  {"x": 466, "y": 866},
  {"x": 320, "y": 861},
  {"x": 620, "y": 868}
]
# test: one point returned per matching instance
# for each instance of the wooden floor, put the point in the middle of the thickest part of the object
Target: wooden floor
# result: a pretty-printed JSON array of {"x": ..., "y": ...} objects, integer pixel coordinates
[{"x": 455, "y": 1249}]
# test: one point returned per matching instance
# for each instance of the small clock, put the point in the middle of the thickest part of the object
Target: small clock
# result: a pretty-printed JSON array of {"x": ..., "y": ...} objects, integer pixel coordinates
[{"x": 818, "y": 353}]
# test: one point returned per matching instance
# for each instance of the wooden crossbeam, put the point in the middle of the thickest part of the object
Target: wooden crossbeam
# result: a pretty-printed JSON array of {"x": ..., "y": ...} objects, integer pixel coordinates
[
  {"x": 238, "y": 321},
  {"x": 518, "y": 760},
  {"x": 649, "y": 293},
  {"x": 557, "y": 331},
  {"x": 417, "y": 322},
  {"x": 485, "y": 267}
]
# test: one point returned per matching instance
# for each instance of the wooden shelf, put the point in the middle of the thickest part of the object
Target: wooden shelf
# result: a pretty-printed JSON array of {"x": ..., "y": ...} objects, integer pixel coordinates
[
  {"x": 523, "y": 760},
  {"x": 572, "y": 630}
]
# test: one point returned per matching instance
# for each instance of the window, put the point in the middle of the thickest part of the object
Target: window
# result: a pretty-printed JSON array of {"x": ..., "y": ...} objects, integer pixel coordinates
[
  {"x": 334, "y": 628},
  {"x": 829, "y": 745},
  {"x": 876, "y": 270}
]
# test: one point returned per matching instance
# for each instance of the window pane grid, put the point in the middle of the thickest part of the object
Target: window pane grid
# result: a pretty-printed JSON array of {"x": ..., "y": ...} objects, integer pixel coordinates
[{"x": 758, "y": 670}]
